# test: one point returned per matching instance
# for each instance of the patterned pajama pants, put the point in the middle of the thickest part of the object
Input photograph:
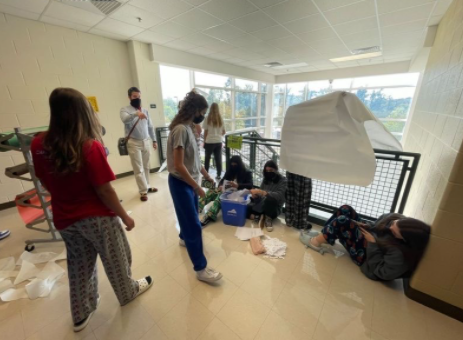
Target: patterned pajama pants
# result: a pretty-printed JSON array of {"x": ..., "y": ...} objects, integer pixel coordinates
[
  {"x": 84, "y": 241},
  {"x": 341, "y": 226},
  {"x": 212, "y": 195},
  {"x": 298, "y": 197}
]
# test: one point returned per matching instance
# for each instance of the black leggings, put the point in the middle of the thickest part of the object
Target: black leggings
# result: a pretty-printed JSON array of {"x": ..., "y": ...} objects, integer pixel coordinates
[
  {"x": 269, "y": 207},
  {"x": 215, "y": 148}
]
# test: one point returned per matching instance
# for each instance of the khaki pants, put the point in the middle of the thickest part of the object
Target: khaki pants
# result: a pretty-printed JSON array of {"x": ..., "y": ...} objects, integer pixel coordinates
[{"x": 139, "y": 152}]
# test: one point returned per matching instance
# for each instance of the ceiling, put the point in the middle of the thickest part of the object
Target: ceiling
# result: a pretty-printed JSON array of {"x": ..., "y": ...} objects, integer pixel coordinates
[{"x": 251, "y": 33}]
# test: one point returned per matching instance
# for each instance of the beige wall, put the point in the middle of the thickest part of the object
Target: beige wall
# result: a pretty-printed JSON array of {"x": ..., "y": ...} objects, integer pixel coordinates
[
  {"x": 436, "y": 132},
  {"x": 35, "y": 58}
]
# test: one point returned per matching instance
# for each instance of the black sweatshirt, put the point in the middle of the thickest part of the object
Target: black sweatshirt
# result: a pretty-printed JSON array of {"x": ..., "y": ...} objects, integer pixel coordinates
[{"x": 244, "y": 180}]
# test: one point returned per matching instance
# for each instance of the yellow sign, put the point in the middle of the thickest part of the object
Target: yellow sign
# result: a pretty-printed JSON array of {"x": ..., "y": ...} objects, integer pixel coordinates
[
  {"x": 234, "y": 142},
  {"x": 94, "y": 103}
]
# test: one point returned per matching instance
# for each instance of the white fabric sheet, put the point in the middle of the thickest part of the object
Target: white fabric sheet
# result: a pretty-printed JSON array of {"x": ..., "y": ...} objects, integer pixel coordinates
[
  {"x": 245, "y": 233},
  {"x": 326, "y": 138}
]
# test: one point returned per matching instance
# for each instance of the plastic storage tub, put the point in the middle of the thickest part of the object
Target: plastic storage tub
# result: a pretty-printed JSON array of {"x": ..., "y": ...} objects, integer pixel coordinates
[{"x": 233, "y": 212}]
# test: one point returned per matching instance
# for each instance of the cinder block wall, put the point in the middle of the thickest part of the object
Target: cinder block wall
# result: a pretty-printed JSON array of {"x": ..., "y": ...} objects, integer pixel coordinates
[{"x": 437, "y": 133}]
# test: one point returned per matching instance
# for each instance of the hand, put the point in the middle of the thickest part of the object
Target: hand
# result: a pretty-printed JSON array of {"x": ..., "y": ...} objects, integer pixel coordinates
[
  {"x": 362, "y": 225},
  {"x": 233, "y": 184},
  {"x": 155, "y": 145},
  {"x": 369, "y": 237},
  {"x": 141, "y": 115},
  {"x": 200, "y": 192},
  {"x": 129, "y": 223},
  {"x": 255, "y": 192},
  {"x": 220, "y": 188}
]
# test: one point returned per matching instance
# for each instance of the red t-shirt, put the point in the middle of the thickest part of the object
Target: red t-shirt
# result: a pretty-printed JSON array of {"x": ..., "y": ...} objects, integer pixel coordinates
[{"x": 73, "y": 195}]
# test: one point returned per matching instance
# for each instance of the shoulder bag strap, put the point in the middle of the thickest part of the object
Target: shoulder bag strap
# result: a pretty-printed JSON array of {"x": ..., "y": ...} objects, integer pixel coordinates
[{"x": 131, "y": 130}]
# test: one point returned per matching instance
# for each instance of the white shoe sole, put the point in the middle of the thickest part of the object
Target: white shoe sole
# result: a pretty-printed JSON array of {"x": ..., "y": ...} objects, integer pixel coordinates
[{"x": 214, "y": 279}]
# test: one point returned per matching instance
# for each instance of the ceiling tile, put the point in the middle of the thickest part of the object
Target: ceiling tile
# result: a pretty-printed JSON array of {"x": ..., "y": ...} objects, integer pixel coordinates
[
  {"x": 291, "y": 10},
  {"x": 198, "y": 20},
  {"x": 306, "y": 69},
  {"x": 353, "y": 12},
  {"x": 234, "y": 60},
  {"x": 354, "y": 45},
  {"x": 200, "y": 39},
  {"x": 356, "y": 26},
  {"x": 285, "y": 42},
  {"x": 311, "y": 23},
  {"x": 254, "y": 22},
  {"x": 172, "y": 29},
  {"x": 243, "y": 54},
  {"x": 244, "y": 40},
  {"x": 118, "y": 27},
  {"x": 329, "y": 46},
  {"x": 228, "y": 10},
  {"x": 130, "y": 14},
  {"x": 260, "y": 47},
  {"x": 224, "y": 32},
  {"x": 270, "y": 33},
  {"x": 181, "y": 45},
  {"x": 73, "y": 14},
  {"x": 34, "y": 6},
  {"x": 64, "y": 23},
  {"x": 386, "y": 6},
  {"x": 201, "y": 51},
  {"x": 326, "y": 5},
  {"x": 361, "y": 36},
  {"x": 406, "y": 15},
  {"x": 372, "y": 61},
  {"x": 19, "y": 12},
  {"x": 305, "y": 52},
  {"x": 107, "y": 34},
  {"x": 165, "y": 9},
  {"x": 219, "y": 46},
  {"x": 323, "y": 64},
  {"x": 219, "y": 56},
  {"x": 404, "y": 36},
  {"x": 418, "y": 25},
  {"x": 153, "y": 37},
  {"x": 345, "y": 64},
  {"x": 266, "y": 3},
  {"x": 196, "y": 2},
  {"x": 325, "y": 33}
]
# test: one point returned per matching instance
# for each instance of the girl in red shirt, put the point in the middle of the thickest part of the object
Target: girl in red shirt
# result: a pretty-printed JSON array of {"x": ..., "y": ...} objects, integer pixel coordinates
[{"x": 70, "y": 161}]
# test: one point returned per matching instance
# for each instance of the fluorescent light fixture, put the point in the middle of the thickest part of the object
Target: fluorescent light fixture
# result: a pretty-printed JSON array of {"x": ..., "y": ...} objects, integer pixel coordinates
[{"x": 357, "y": 57}]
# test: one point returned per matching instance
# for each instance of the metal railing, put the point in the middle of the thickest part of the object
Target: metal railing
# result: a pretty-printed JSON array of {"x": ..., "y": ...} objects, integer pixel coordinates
[{"x": 388, "y": 193}]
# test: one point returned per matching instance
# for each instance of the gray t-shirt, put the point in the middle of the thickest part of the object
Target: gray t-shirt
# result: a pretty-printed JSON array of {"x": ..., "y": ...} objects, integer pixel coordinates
[{"x": 183, "y": 136}]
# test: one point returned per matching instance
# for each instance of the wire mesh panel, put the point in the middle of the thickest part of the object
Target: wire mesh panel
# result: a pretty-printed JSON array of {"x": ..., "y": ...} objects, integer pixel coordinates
[{"x": 388, "y": 193}]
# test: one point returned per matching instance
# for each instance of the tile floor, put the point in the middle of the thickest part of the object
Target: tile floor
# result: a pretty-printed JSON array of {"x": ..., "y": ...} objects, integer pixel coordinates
[{"x": 305, "y": 296}]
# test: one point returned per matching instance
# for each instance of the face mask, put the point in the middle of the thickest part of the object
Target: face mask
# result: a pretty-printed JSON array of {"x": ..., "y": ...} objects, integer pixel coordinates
[
  {"x": 270, "y": 175},
  {"x": 136, "y": 103},
  {"x": 198, "y": 119}
]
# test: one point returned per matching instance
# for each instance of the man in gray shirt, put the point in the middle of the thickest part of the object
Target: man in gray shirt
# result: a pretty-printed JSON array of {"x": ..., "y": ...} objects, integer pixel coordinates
[{"x": 140, "y": 141}]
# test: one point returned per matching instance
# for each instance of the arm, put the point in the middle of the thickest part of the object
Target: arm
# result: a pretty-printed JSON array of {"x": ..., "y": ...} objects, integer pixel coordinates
[
  {"x": 127, "y": 117},
  {"x": 206, "y": 174},
  {"x": 205, "y": 135},
  {"x": 385, "y": 266},
  {"x": 151, "y": 128},
  {"x": 279, "y": 193},
  {"x": 108, "y": 196},
  {"x": 183, "y": 171},
  {"x": 247, "y": 182}
]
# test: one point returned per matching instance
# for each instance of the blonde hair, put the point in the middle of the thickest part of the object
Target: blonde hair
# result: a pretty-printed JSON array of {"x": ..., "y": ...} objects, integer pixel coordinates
[
  {"x": 73, "y": 124},
  {"x": 214, "y": 118}
]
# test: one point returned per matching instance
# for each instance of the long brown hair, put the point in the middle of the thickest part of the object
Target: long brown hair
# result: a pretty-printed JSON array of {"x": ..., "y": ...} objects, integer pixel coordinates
[
  {"x": 415, "y": 235},
  {"x": 190, "y": 105},
  {"x": 214, "y": 118},
  {"x": 73, "y": 123}
]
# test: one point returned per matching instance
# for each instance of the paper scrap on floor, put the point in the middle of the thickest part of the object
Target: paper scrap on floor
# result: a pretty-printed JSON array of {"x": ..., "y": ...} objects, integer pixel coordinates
[
  {"x": 41, "y": 281},
  {"x": 274, "y": 248},
  {"x": 245, "y": 233}
]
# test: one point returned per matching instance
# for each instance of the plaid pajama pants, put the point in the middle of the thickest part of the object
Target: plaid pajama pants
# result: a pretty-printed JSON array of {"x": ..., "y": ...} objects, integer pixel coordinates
[
  {"x": 85, "y": 240},
  {"x": 298, "y": 196}
]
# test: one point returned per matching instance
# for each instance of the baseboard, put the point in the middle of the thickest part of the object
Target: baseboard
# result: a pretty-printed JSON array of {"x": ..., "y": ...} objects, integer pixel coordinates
[
  {"x": 7, "y": 205},
  {"x": 432, "y": 302}
]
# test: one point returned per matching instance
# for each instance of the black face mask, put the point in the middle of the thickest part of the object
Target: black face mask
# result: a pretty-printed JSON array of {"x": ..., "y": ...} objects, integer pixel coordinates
[
  {"x": 136, "y": 103},
  {"x": 270, "y": 176},
  {"x": 198, "y": 119}
]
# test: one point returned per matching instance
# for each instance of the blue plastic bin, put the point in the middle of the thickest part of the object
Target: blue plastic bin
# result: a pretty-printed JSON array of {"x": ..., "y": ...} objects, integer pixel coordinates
[{"x": 233, "y": 213}]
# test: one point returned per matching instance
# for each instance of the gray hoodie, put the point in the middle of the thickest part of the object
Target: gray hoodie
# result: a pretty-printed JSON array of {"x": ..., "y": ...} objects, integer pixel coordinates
[
  {"x": 276, "y": 190},
  {"x": 383, "y": 264}
]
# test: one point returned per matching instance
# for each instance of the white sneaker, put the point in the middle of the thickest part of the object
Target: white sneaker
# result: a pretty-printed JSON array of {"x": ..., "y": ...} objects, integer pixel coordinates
[
  {"x": 208, "y": 275},
  {"x": 181, "y": 242}
]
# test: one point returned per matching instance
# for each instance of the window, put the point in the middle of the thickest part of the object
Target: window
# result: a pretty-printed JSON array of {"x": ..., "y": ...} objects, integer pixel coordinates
[
  {"x": 212, "y": 80},
  {"x": 241, "y": 84},
  {"x": 219, "y": 96},
  {"x": 175, "y": 83},
  {"x": 389, "y": 97},
  {"x": 245, "y": 105}
]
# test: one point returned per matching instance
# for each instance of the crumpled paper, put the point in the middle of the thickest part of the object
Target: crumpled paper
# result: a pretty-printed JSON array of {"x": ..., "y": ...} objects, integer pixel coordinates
[
  {"x": 46, "y": 279},
  {"x": 274, "y": 248},
  {"x": 245, "y": 233},
  {"x": 41, "y": 257}
]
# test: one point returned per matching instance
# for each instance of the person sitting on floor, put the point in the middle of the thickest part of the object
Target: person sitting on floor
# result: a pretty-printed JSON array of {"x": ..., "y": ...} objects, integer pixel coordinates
[
  {"x": 239, "y": 178},
  {"x": 267, "y": 202},
  {"x": 389, "y": 249}
]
